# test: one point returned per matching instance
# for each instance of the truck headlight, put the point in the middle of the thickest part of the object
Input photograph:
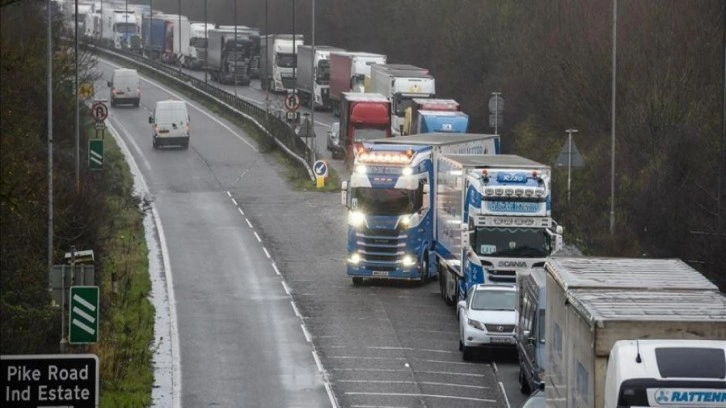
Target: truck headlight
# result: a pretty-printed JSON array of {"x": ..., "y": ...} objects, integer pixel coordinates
[
  {"x": 408, "y": 261},
  {"x": 356, "y": 218},
  {"x": 405, "y": 220},
  {"x": 361, "y": 169},
  {"x": 354, "y": 259},
  {"x": 407, "y": 171}
]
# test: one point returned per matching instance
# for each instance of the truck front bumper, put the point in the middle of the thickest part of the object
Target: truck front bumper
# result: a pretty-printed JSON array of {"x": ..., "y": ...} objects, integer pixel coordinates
[{"x": 370, "y": 271}]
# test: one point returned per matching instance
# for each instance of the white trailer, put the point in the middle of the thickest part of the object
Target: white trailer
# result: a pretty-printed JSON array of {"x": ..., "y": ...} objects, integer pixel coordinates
[
  {"x": 313, "y": 75},
  {"x": 594, "y": 302},
  {"x": 401, "y": 84},
  {"x": 178, "y": 31}
]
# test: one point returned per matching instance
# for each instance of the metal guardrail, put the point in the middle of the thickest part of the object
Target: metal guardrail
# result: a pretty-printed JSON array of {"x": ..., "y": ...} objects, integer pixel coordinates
[{"x": 279, "y": 130}]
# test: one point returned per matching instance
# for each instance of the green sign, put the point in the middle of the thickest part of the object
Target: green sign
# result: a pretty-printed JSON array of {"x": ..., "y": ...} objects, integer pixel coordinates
[
  {"x": 95, "y": 154},
  {"x": 83, "y": 316}
]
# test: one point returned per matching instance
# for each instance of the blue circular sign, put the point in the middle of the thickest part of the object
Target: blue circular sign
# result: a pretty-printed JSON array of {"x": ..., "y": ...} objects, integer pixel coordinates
[{"x": 320, "y": 168}]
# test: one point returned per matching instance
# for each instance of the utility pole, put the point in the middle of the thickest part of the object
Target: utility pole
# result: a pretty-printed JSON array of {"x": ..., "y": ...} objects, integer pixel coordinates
[
  {"x": 294, "y": 52},
  {"x": 612, "y": 120},
  {"x": 50, "y": 132},
  {"x": 151, "y": 30},
  {"x": 265, "y": 80},
  {"x": 312, "y": 88},
  {"x": 235, "y": 48},
  {"x": 569, "y": 161},
  {"x": 206, "y": 38},
  {"x": 180, "y": 40},
  {"x": 78, "y": 130}
]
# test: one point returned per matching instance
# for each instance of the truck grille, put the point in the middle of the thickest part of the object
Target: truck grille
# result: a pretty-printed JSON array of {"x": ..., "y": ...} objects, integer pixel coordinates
[
  {"x": 499, "y": 276},
  {"x": 499, "y": 328},
  {"x": 381, "y": 249},
  {"x": 202, "y": 54}
]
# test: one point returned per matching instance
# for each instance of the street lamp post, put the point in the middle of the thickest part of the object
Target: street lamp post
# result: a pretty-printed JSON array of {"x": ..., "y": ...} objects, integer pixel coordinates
[
  {"x": 312, "y": 87},
  {"x": 179, "y": 57},
  {"x": 612, "y": 119},
  {"x": 235, "y": 49},
  {"x": 206, "y": 38},
  {"x": 496, "y": 112},
  {"x": 569, "y": 161},
  {"x": 78, "y": 129}
]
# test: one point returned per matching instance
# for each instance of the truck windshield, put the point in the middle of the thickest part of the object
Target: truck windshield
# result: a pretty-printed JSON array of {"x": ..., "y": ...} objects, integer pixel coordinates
[
  {"x": 286, "y": 60},
  {"x": 368, "y": 134},
  {"x": 323, "y": 72},
  {"x": 511, "y": 242},
  {"x": 240, "y": 49},
  {"x": 383, "y": 201},
  {"x": 125, "y": 28},
  {"x": 198, "y": 42}
]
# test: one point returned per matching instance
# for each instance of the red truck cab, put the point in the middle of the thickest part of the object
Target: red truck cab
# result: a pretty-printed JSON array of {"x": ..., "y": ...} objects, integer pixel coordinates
[{"x": 363, "y": 116}]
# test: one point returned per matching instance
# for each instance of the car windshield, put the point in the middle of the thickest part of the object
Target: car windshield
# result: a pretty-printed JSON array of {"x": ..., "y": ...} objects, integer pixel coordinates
[
  {"x": 493, "y": 300},
  {"x": 383, "y": 201},
  {"x": 511, "y": 242}
]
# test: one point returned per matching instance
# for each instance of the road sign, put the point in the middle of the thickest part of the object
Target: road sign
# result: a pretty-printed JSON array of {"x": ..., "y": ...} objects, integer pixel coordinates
[
  {"x": 496, "y": 104},
  {"x": 496, "y": 119},
  {"x": 95, "y": 154},
  {"x": 563, "y": 160},
  {"x": 100, "y": 126},
  {"x": 62, "y": 277},
  {"x": 99, "y": 110},
  {"x": 321, "y": 168},
  {"x": 83, "y": 316},
  {"x": 86, "y": 90},
  {"x": 49, "y": 380},
  {"x": 293, "y": 116},
  {"x": 292, "y": 102}
]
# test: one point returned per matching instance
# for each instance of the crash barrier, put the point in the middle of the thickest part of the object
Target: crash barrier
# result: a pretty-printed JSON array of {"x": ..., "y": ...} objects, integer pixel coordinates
[{"x": 268, "y": 123}]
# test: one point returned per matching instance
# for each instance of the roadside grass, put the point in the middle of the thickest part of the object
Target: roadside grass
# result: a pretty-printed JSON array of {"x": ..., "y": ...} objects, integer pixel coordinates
[
  {"x": 293, "y": 171},
  {"x": 127, "y": 315}
]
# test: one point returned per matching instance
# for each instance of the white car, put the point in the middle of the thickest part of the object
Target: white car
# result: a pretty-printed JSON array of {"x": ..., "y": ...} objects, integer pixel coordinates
[{"x": 487, "y": 318}]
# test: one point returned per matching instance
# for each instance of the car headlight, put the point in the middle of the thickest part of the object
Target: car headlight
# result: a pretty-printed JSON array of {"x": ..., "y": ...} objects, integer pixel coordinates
[
  {"x": 408, "y": 261},
  {"x": 475, "y": 324},
  {"x": 356, "y": 218},
  {"x": 354, "y": 259}
]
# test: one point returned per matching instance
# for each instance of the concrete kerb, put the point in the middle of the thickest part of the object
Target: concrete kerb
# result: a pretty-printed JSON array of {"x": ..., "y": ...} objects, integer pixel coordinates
[{"x": 222, "y": 103}]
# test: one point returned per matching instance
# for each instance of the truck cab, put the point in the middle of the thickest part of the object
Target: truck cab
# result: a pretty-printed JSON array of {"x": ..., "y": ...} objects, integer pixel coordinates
[
  {"x": 279, "y": 61},
  {"x": 530, "y": 335},
  {"x": 198, "y": 45},
  {"x": 364, "y": 116}
]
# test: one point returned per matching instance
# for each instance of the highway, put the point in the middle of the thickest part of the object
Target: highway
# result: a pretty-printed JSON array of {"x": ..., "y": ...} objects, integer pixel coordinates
[{"x": 266, "y": 314}]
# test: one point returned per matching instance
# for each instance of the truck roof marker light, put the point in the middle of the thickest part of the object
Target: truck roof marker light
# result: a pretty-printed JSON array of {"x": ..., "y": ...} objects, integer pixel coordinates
[
  {"x": 519, "y": 192},
  {"x": 509, "y": 191},
  {"x": 409, "y": 153},
  {"x": 540, "y": 192},
  {"x": 489, "y": 191},
  {"x": 500, "y": 191},
  {"x": 529, "y": 192}
]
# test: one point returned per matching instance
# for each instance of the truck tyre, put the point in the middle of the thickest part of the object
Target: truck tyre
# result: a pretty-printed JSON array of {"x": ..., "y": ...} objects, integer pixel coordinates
[
  {"x": 425, "y": 269},
  {"x": 523, "y": 384},
  {"x": 154, "y": 143},
  {"x": 357, "y": 281}
]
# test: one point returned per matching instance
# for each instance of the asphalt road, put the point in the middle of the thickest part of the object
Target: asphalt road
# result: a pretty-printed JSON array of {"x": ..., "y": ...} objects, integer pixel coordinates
[{"x": 242, "y": 342}]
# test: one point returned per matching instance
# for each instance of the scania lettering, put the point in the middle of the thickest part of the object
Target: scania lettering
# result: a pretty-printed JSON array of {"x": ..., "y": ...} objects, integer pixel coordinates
[{"x": 390, "y": 198}]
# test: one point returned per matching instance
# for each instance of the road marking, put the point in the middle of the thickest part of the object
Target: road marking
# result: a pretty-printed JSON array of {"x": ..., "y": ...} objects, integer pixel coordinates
[
  {"x": 449, "y": 362},
  {"x": 403, "y": 394},
  {"x": 284, "y": 285},
  {"x": 266, "y": 253},
  {"x": 414, "y": 382},
  {"x": 235, "y": 202},
  {"x": 309, "y": 340},
  {"x": 204, "y": 112},
  {"x": 366, "y": 358},
  {"x": 505, "y": 394},
  {"x": 249, "y": 223},
  {"x": 240, "y": 211},
  {"x": 294, "y": 308},
  {"x": 409, "y": 348},
  {"x": 131, "y": 140},
  {"x": 229, "y": 194},
  {"x": 258, "y": 237},
  {"x": 277, "y": 271},
  {"x": 494, "y": 365}
]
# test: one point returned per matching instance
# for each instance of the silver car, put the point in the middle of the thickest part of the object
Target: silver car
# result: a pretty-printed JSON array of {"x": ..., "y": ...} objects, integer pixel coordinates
[
  {"x": 487, "y": 318},
  {"x": 335, "y": 147}
]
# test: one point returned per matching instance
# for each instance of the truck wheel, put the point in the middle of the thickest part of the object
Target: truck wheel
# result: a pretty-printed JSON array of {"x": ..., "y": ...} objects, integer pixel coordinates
[
  {"x": 155, "y": 144},
  {"x": 425, "y": 269},
  {"x": 357, "y": 281}
]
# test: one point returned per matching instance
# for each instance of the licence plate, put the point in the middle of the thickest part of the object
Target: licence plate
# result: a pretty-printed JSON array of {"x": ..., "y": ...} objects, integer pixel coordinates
[
  {"x": 501, "y": 339},
  {"x": 380, "y": 273},
  {"x": 119, "y": 93}
]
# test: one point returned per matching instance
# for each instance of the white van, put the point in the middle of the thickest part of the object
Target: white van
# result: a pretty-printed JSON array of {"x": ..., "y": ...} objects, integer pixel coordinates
[
  {"x": 170, "y": 124},
  {"x": 125, "y": 87}
]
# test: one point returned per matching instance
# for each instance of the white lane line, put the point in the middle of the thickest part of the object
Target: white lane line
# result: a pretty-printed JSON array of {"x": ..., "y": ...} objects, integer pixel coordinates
[
  {"x": 266, "y": 253},
  {"x": 377, "y": 406},
  {"x": 366, "y": 358},
  {"x": 501, "y": 385},
  {"x": 294, "y": 308},
  {"x": 258, "y": 237},
  {"x": 448, "y": 362},
  {"x": 235, "y": 202},
  {"x": 417, "y": 395},
  {"x": 414, "y": 382},
  {"x": 494, "y": 366},
  {"x": 318, "y": 363},
  {"x": 307, "y": 337},
  {"x": 133, "y": 143},
  {"x": 249, "y": 223},
  {"x": 277, "y": 271},
  {"x": 284, "y": 286},
  {"x": 230, "y": 195},
  {"x": 393, "y": 370},
  {"x": 240, "y": 211},
  {"x": 409, "y": 348},
  {"x": 204, "y": 112},
  {"x": 331, "y": 396}
]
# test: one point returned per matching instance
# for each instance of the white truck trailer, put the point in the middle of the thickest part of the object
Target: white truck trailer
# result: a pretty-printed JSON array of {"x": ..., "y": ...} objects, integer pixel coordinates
[
  {"x": 592, "y": 303},
  {"x": 178, "y": 32},
  {"x": 313, "y": 75},
  {"x": 278, "y": 61},
  {"x": 401, "y": 83}
]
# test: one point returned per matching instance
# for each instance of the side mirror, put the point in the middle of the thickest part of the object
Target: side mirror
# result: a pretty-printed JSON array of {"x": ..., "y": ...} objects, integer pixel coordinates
[
  {"x": 526, "y": 333},
  {"x": 151, "y": 119}
]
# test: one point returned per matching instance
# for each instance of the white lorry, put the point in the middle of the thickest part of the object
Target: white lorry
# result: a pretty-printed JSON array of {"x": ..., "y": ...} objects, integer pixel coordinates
[
  {"x": 593, "y": 303},
  {"x": 313, "y": 75},
  {"x": 278, "y": 61},
  {"x": 121, "y": 29},
  {"x": 197, "y": 56},
  {"x": 401, "y": 84}
]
